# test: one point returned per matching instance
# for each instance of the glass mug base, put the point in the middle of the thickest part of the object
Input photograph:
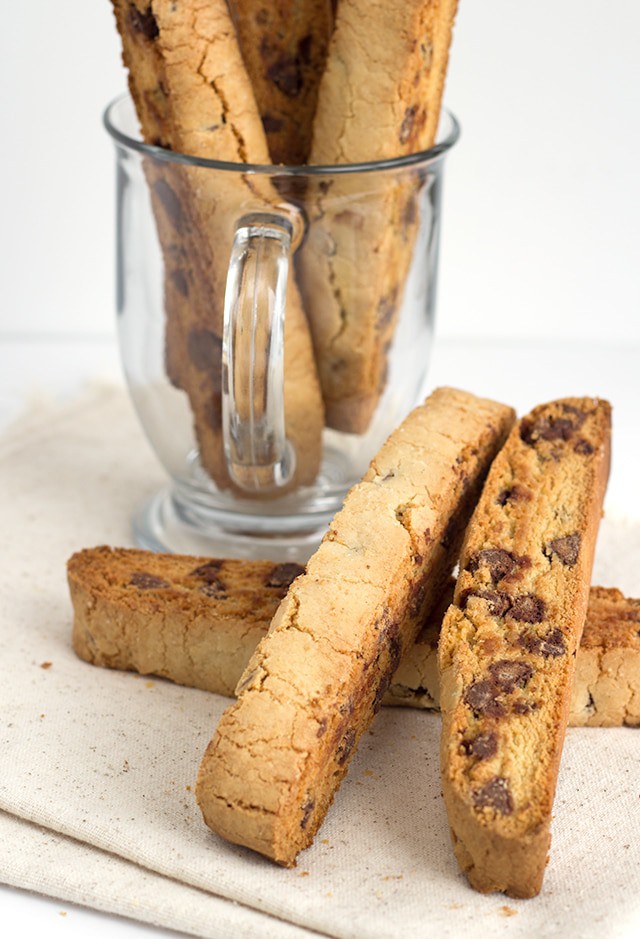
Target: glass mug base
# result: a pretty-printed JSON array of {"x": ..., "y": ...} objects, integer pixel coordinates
[{"x": 166, "y": 524}]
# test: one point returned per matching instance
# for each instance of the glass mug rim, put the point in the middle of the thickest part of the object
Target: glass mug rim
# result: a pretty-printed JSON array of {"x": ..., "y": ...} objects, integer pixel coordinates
[{"x": 422, "y": 157}]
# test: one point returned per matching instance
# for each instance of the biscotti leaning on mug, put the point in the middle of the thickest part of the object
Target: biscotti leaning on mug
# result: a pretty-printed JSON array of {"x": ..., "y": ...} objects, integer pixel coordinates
[
  {"x": 197, "y": 621},
  {"x": 508, "y": 643},
  {"x": 187, "y": 103},
  {"x": 317, "y": 679}
]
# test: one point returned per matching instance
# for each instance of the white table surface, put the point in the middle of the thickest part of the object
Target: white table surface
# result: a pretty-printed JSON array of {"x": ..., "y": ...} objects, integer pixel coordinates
[{"x": 520, "y": 373}]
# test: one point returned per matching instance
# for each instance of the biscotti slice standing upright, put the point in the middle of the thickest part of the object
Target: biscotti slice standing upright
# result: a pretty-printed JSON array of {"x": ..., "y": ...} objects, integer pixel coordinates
[
  {"x": 508, "y": 643},
  {"x": 197, "y": 621},
  {"x": 379, "y": 98},
  {"x": 284, "y": 47},
  {"x": 193, "y": 96},
  {"x": 317, "y": 679}
]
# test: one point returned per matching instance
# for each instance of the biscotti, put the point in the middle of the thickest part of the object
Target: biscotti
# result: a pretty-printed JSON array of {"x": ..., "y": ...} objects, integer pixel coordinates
[
  {"x": 606, "y": 690},
  {"x": 379, "y": 99},
  {"x": 606, "y": 687},
  {"x": 284, "y": 47},
  {"x": 193, "y": 96},
  {"x": 194, "y": 620},
  {"x": 197, "y": 621},
  {"x": 318, "y": 677},
  {"x": 508, "y": 643}
]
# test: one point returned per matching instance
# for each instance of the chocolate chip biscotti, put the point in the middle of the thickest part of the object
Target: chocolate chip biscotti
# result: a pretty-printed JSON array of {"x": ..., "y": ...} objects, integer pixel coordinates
[
  {"x": 197, "y": 621},
  {"x": 508, "y": 643},
  {"x": 194, "y": 620},
  {"x": 284, "y": 47},
  {"x": 193, "y": 96},
  {"x": 606, "y": 687},
  {"x": 379, "y": 98},
  {"x": 318, "y": 677}
]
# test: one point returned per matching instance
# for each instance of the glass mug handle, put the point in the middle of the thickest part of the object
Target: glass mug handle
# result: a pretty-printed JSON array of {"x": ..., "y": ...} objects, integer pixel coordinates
[{"x": 260, "y": 460}]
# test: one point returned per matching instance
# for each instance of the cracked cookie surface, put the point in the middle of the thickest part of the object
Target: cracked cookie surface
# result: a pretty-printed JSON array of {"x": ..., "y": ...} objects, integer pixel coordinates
[{"x": 318, "y": 677}]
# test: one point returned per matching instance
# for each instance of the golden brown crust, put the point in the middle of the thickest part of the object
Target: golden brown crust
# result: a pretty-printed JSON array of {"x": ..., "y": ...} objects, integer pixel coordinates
[
  {"x": 213, "y": 633},
  {"x": 194, "y": 620},
  {"x": 379, "y": 98},
  {"x": 193, "y": 96},
  {"x": 317, "y": 679},
  {"x": 284, "y": 45},
  {"x": 508, "y": 643}
]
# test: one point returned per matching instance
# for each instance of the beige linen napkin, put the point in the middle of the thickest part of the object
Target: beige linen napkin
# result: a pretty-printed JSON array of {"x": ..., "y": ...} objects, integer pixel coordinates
[{"x": 97, "y": 768}]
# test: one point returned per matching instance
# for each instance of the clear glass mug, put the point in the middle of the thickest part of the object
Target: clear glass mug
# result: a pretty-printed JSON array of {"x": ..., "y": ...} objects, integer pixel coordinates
[{"x": 275, "y": 326}]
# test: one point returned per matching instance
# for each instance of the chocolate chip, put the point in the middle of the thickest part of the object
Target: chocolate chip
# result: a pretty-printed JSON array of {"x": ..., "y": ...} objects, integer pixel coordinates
[
  {"x": 501, "y": 563},
  {"x": 386, "y": 308},
  {"x": 205, "y": 350},
  {"x": 304, "y": 48},
  {"x": 498, "y": 603},
  {"x": 170, "y": 202},
  {"x": 567, "y": 548},
  {"x": 494, "y": 795},
  {"x": 509, "y": 674},
  {"x": 272, "y": 124},
  {"x": 283, "y": 575},
  {"x": 208, "y": 571},
  {"x": 410, "y": 214},
  {"x": 524, "y": 707},
  {"x": 552, "y": 645},
  {"x": 345, "y": 748},
  {"x": 528, "y": 608},
  {"x": 307, "y": 808},
  {"x": 216, "y": 589},
  {"x": 546, "y": 428},
  {"x": 144, "y": 581},
  {"x": 144, "y": 23},
  {"x": 180, "y": 282},
  {"x": 578, "y": 416},
  {"x": 583, "y": 447},
  {"x": 483, "y": 746},
  {"x": 513, "y": 494},
  {"x": 286, "y": 74},
  {"x": 481, "y": 697}
]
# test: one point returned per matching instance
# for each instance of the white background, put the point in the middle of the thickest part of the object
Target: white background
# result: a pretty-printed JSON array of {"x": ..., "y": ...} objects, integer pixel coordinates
[{"x": 542, "y": 198}]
